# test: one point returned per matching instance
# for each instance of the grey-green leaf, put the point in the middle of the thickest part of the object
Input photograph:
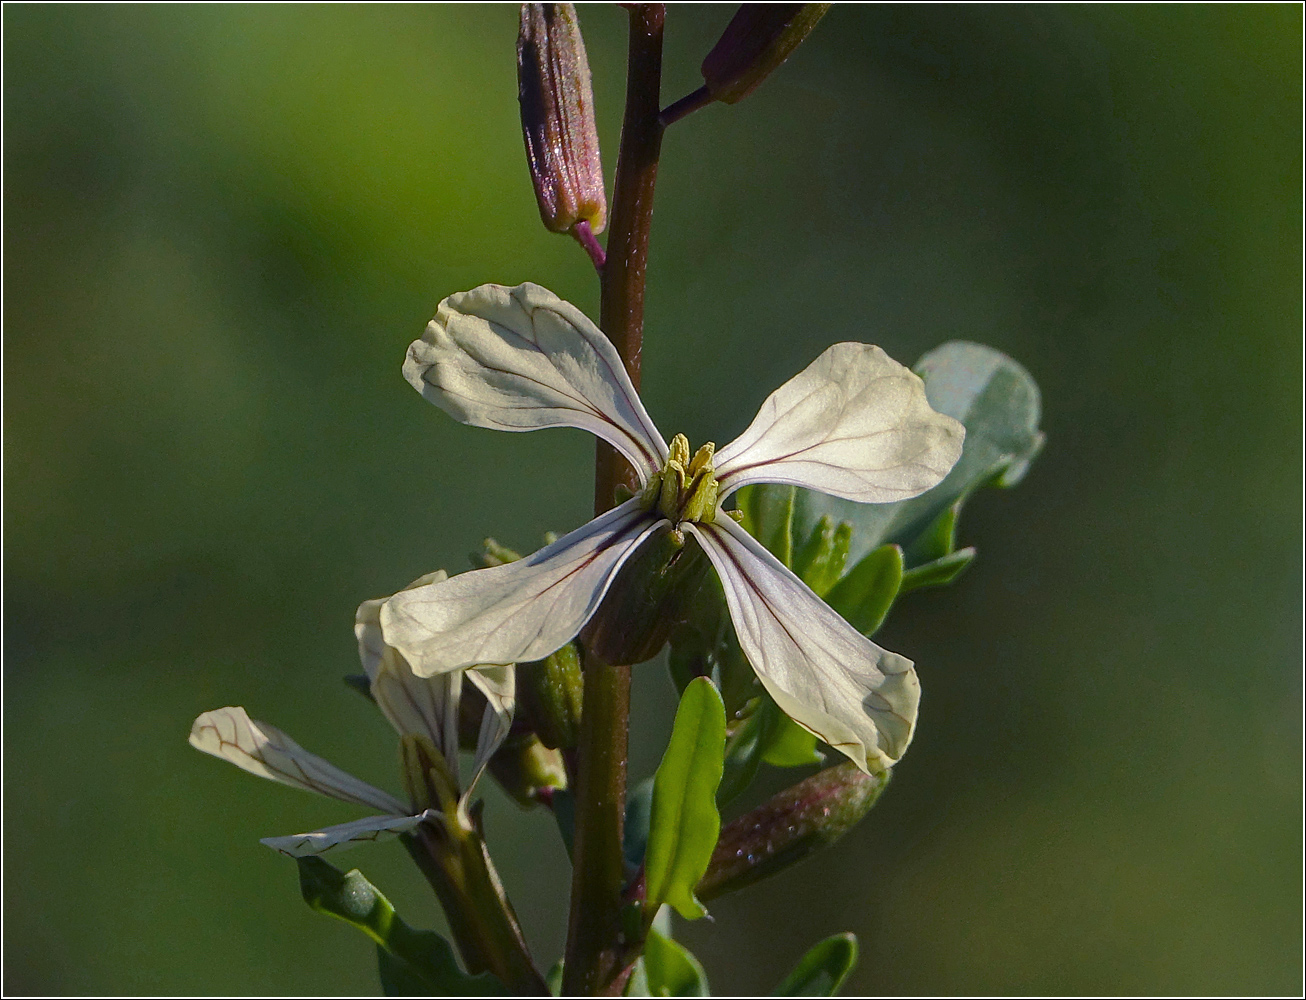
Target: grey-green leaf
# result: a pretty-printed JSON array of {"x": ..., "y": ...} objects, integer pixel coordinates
[
  {"x": 684, "y": 821},
  {"x": 864, "y": 596},
  {"x": 822, "y": 970},
  {"x": 671, "y": 970},
  {"x": 938, "y": 572},
  {"x": 996, "y": 400},
  {"x": 415, "y": 960}
]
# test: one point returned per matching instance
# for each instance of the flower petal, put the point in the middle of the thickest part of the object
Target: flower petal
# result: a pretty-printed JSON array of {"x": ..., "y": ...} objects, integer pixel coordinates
[
  {"x": 824, "y": 674},
  {"x": 426, "y": 706},
  {"x": 522, "y": 610},
  {"x": 360, "y": 831},
  {"x": 854, "y": 423},
  {"x": 264, "y": 750},
  {"x": 517, "y": 359}
]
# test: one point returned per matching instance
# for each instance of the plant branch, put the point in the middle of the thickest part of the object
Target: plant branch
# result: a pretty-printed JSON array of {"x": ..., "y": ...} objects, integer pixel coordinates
[
  {"x": 595, "y": 961},
  {"x": 687, "y": 105}
]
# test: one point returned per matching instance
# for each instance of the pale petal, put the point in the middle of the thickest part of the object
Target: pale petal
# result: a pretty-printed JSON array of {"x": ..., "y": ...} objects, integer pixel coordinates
[
  {"x": 517, "y": 359},
  {"x": 826, "y": 676},
  {"x": 426, "y": 706},
  {"x": 521, "y": 610},
  {"x": 264, "y": 750},
  {"x": 345, "y": 835},
  {"x": 854, "y": 424}
]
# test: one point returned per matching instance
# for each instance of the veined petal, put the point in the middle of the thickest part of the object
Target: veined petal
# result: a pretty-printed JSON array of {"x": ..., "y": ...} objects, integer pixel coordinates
[
  {"x": 824, "y": 674},
  {"x": 519, "y": 611},
  {"x": 499, "y": 685},
  {"x": 854, "y": 423},
  {"x": 517, "y": 359},
  {"x": 426, "y": 706},
  {"x": 264, "y": 750},
  {"x": 360, "y": 831}
]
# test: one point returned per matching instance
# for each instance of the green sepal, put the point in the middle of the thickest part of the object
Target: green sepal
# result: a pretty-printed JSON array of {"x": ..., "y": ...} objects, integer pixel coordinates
[
  {"x": 939, "y": 572},
  {"x": 670, "y": 969},
  {"x": 420, "y": 960},
  {"x": 684, "y": 822},
  {"x": 938, "y": 540},
  {"x": 822, "y": 970},
  {"x": 864, "y": 596}
]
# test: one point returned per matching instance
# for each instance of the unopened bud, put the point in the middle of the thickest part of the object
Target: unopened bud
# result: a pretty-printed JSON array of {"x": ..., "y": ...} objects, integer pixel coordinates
[
  {"x": 557, "y": 118},
  {"x": 525, "y": 767},
  {"x": 550, "y": 692},
  {"x": 756, "y": 41},
  {"x": 793, "y": 825}
]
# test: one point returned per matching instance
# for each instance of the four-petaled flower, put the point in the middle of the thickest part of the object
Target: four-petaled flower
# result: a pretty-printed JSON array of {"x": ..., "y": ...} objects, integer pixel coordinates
[
  {"x": 424, "y": 710},
  {"x": 854, "y": 424}
]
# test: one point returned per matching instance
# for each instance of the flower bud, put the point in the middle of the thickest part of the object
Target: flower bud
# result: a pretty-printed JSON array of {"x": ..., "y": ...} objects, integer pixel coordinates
[
  {"x": 525, "y": 767},
  {"x": 549, "y": 692},
  {"x": 557, "y": 118},
  {"x": 789, "y": 827},
  {"x": 756, "y": 41}
]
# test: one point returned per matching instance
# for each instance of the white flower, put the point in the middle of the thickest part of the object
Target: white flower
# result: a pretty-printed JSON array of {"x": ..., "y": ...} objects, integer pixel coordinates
[
  {"x": 854, "y": 423},
  {"x": 420, "y": 708}
]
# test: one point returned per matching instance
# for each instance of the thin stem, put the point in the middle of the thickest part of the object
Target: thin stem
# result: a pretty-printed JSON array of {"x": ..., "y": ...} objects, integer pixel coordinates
[
  {"x": 484, "y": 925},
  {"x": 686, "y": 106},
  {"x": 585, "y": 237},
  {"x": 595, "y": 950}
]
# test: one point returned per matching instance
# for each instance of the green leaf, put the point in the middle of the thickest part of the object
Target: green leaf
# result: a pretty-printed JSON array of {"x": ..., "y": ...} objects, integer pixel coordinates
[
  {"x": 791, "y": 745},
  {"x": 416, "y": 960},
  {"x": 769, "y": 517},
  {"x": 684, "y": 822},
  {"x": 820, "y": 560},
  {"x": 822, "y": 970},
  {"x": 743, "y": 754},
  {"x": 936, "y": 541},
  {"x": 938, "y": 572},
  {"x": 997, "y": 401},
  {"x": 639, "y": 810},
  {"x": 864, "y": 596},
  {"x": 671, "y": 970}
]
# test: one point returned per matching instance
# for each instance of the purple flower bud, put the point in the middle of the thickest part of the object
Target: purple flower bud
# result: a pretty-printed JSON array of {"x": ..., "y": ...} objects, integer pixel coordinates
[
  {"x": 557, "y": 118},
  {"x": 790, "y": 826},
  {"x": 756, "y": 41}
]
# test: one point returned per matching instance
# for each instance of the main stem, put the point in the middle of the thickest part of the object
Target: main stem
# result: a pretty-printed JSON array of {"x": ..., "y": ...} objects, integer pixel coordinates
[{"x": 594, "y": 955}]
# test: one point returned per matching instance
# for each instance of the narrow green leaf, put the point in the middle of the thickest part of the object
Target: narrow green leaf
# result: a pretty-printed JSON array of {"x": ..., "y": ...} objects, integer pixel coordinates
[
  {"x": 864, "y": 596},
  {"x": 743, "y": 754},
  {"x": 791, "y": 745},
  {"x": 769, "y": 517},
  {"x": 938, "y": 572},
  {"x": 639, "y": 810},
  {"x": 670, "y": 970},
  {"x": 937, "y": 540},
  {"x": 684, "y": 820},
  {"x": 422, "y": 960},
  {"x": 822, "y": 970}
]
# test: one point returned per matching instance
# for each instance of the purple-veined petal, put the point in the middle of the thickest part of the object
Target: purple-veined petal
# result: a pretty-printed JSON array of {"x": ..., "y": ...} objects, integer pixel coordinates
[
  {"x": 518, "y": 359},
  {"x": 519, "y": 611},
  {"x": 264, "y": 750},
  {"x": 345, "y": 835},
  {"x": 823, "y": 673},
  {"x": 854, "y": 424},
  {"x": 426, "y": 706}
]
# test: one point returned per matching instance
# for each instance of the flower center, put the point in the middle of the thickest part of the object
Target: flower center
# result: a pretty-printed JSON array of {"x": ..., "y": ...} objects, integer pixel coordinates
[{"x": 685, "y": 489}]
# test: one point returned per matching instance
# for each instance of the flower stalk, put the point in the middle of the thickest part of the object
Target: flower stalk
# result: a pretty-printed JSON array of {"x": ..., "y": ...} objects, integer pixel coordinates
[{"x": 594, "y": 945}]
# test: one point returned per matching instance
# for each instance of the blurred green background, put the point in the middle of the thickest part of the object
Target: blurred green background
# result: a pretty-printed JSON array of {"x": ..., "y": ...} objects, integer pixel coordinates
[{"x": 224, "y": 225}]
